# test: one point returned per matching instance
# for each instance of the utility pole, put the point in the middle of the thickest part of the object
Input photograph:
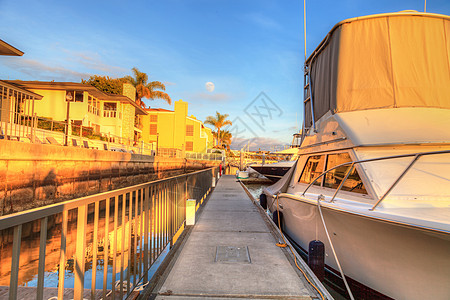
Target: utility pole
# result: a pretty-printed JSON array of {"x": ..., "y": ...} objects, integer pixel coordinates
[{"x": 69, "y": 98}]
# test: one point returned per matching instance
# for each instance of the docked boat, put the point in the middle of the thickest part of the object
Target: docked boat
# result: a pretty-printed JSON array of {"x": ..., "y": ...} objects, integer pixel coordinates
[
  {"x": 275, "y": 171},
  {"x": 373, "y": 178}
]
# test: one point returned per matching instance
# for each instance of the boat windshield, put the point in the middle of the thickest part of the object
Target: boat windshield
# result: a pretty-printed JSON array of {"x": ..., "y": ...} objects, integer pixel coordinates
[
  {"x": 313, "y": 168},
  {"x": 317, "y": 164},
  {"x": 334, "y": 177}
]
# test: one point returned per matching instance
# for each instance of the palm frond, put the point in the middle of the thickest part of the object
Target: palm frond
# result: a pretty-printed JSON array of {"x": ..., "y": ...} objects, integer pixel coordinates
[
  {"x": 211, "y": 121},
  {"x": 131, "y": 80},
  {"x": 147, "y": 90},
  {"x": 156, "y": 85},
  {"x": 161, "y": 95}
]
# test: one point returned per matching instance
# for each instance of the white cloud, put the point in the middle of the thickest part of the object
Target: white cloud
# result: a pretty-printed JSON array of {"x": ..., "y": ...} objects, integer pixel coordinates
[
  {"x": 40, "y": 71},
  {"x": 65, "y": 69},
  {"x": 261, "y": 20},
  {"x": 217, "y": 97},
  {"x": 94, "y": 62},
  {"x": 257, "y": 143}
]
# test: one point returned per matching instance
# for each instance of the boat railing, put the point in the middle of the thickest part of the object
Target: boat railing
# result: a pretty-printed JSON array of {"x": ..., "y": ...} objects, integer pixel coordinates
[{"x": 352, "y": 164}]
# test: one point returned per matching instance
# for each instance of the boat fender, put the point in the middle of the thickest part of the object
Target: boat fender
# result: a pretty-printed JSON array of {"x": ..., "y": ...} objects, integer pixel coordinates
[
  {"x": 316, "y": 259},
  {"x": 275, "y": 218},
  {"x": 263, "y": 201}
]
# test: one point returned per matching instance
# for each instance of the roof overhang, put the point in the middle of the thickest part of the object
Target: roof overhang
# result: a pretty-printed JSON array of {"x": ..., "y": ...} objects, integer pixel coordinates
[
  {"x": 75, "y": 86},
  {"x": 20, "y": 89},
  {"x": 7, "y": 49}
]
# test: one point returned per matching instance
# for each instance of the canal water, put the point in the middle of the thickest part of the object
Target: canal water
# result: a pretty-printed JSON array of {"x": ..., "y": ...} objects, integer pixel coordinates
[{"x": 256, "y": 189}]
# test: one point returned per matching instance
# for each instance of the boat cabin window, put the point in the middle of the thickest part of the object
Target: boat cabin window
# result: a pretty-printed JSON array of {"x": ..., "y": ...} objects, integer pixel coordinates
[
  {"x": 313, "y": 168},
  {"x": 334, "y": 178}
]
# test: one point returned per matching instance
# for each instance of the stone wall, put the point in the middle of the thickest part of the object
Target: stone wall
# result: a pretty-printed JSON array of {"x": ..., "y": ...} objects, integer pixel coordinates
[
  {"x": 128, "y": 122},
  {"x": 34, "y": 175}
]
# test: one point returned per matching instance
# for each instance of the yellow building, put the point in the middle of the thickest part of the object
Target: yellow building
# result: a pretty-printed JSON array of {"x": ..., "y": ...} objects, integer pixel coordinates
[
  {"x": 176, "y": 130},
  {"x": 115, "y": 115}
]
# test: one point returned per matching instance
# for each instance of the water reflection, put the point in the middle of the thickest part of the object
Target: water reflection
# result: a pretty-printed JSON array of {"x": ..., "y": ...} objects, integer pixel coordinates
[
  {"x": 256, "y": 189},
  {"x": 129, "y": 246}
]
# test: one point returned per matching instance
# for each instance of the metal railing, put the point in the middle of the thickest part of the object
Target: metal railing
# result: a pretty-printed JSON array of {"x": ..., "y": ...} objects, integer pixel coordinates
[
  {"x": 204, "y": 156},
  {"x": 170, "y": 152},
  {"x": 111, "y": 238},
  {"x": 415, "y": 156}
]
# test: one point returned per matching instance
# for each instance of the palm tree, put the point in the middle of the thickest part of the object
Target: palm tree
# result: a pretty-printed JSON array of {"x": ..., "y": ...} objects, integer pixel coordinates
[
  {"x": 218, "y": 121},
  {"x": 225, "y": 137},
  {"x": 147, "y": 90}
]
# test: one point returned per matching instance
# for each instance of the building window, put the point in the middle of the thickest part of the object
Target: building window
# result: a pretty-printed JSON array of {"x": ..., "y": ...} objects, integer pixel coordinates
[
  {"x": 96, "y": 128},
  {"x": 153, "y": 129},
  {"x": 313, "y": 168},
  {"x": 74, "y": 96},
  {"x": 154, "y": 118},
  {"x": 189, "y": 146},
  {"x": 189, "y": 130},
  {"x": 79, "y": 96},
  {"x": 109, "y": 109}
]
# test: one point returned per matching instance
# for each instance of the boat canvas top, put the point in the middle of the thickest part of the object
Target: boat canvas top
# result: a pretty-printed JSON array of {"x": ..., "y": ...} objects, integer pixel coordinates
[{"x": 375, "y": 73}]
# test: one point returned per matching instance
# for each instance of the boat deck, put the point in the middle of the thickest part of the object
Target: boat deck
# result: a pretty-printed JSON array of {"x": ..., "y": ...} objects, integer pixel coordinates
[{"x": 231, "y": 252}]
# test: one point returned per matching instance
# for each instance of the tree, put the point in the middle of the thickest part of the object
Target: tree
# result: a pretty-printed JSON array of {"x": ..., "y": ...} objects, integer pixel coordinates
[
  {"x": 147, "y": 90},
  {"x": 106, "y": 84},
  {"x": 218, "y": 121},
  {"x": 225, "y": 137}
]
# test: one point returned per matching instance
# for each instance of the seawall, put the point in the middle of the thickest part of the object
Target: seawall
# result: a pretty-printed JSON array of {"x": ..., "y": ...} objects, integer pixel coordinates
[{"x": 34, "y": 175}]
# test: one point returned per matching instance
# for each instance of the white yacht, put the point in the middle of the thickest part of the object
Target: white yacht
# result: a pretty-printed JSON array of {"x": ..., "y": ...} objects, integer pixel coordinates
[
  {"x": 375, "y": 156},
  {"x": 275, "y": 171}
]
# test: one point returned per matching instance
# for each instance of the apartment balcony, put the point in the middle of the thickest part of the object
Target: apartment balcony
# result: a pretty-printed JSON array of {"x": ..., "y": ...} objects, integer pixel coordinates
[{"x": 111, "y": 114}]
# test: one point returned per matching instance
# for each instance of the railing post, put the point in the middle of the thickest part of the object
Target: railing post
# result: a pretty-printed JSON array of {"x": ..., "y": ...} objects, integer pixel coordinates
[
  {"x": 80, "y": 253},
  {"x": 114, "y": 246},
  {"x": 62, "y": 255},
  {"x": 14, "y": 279},
  {"x": 94, "y": 248},
  {"x": 106, "y": 247},
  {"x": 41, "y": 268},
  {"x": 33, "y": 128},
  {"x": 122, "y": 251},
  {"x": 146, "y": 223}
]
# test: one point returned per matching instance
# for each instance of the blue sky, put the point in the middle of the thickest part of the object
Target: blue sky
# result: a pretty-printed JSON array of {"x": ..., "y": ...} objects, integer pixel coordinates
[{"x": 243, "y": 47}]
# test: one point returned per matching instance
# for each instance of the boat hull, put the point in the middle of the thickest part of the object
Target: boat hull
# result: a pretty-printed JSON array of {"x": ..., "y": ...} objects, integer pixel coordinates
[
  {"x": 398, "y": 261},
  {"x": 273, "y": 173}
]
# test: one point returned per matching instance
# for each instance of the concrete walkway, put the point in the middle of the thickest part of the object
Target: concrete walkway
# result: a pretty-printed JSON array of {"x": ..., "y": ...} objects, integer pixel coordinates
[{"x": 213, "y": 262}]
